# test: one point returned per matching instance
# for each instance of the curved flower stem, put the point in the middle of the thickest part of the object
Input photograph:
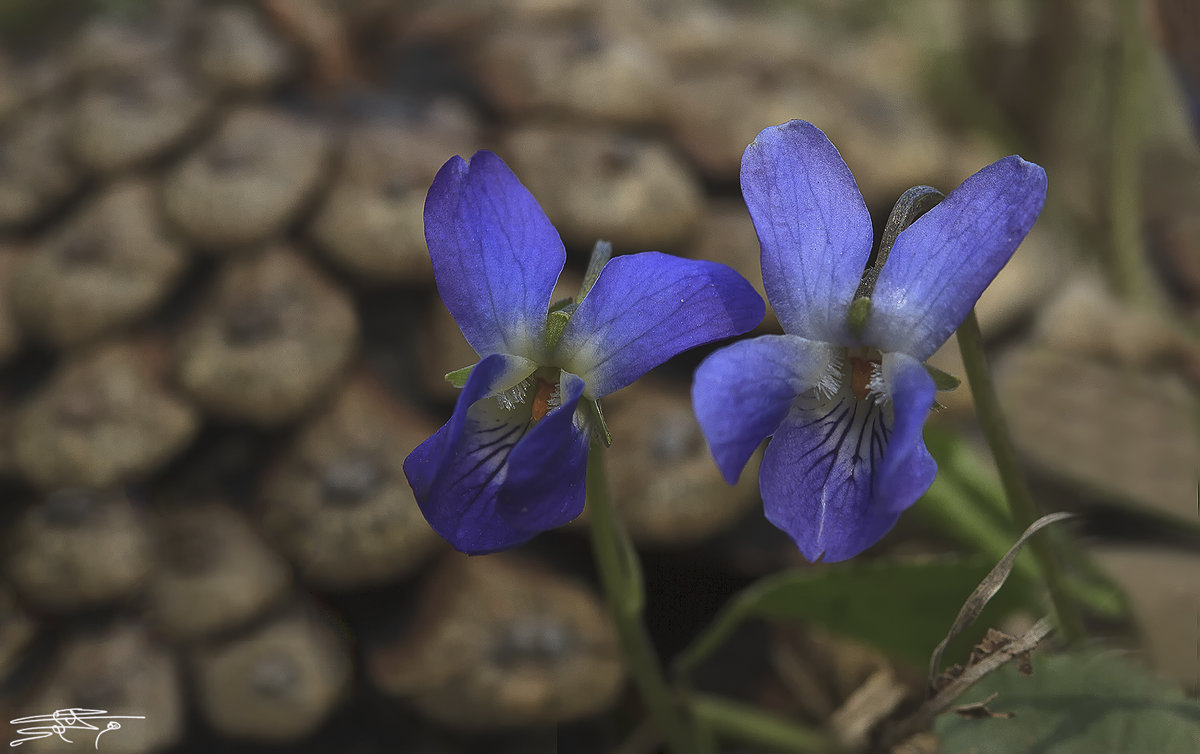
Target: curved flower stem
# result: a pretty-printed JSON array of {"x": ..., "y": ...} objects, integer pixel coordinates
[
  {"x": 1016, "y": 489},
  {"x": 621, "y": 577}
]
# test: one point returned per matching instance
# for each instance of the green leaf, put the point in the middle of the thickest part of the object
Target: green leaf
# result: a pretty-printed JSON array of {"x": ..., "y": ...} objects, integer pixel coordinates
[
  {"x": 901, "y": 608},
  {"x": 949, "y": 507},
  {"x": 942, "y": 380},
  {"x": 601, "y": 253},
  {"x": 967, "y": 504},
  {"x": 1080, "y": 703},
  {"x": 458, "y": 377},
  {"x": 595, "y": 420}
]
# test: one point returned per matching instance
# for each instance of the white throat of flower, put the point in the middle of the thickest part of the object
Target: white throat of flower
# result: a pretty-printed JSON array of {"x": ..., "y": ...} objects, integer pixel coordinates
[
  {"x": 546, "y": 394},
  {"x": 515, "y": 395},
  {"x": 851, "y": 372}
]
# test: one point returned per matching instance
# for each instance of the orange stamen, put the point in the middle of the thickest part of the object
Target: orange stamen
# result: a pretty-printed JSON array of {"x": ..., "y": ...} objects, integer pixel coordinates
[
  {"x": 860, "y": 376},
  {"x": 541, "y": 399}
]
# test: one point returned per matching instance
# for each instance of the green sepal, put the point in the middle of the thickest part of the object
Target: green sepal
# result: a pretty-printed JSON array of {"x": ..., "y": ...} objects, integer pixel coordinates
[
  {"x": 458, "y": 377},
  {"x": 942, "y": 380},
  {"x": 860, "y": 308},
  {"x": 561, "y": 304},
  {"x": 595, "y": 420},
  {"x": 556, "y": 322},
  {"x": 601, "y": 253}
]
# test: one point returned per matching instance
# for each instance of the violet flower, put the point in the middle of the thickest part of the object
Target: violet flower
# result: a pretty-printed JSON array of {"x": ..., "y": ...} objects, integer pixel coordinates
[
  {"x": 511, "y": 461},
  {"x": 844, "y": 402}
]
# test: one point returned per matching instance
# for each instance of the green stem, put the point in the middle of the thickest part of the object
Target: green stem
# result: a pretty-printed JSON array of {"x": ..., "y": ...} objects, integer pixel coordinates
[
  {"x": 1012, "y": 477},
  {"x": 1128, "y": 268},
  {"x": 621, "y": 578},
  {"x": 733, "y": 721}
]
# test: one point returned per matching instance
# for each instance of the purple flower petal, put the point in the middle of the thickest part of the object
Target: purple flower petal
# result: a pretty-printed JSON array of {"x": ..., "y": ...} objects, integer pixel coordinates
[
  {"x": 496, "y": 257},
  {"x": 743, "y": 391},
  {"x": 836, "y": 475},
  {"x": 813, "y": 226},
  {"x": 942, "y": 262},
  {"x": 463, "y": 477},
  {"x": 493, "y": 374},
  {"x": 546, "y": 471},
  {"x": 647, "y": 307},
  {"x": 907, "y": 469}
]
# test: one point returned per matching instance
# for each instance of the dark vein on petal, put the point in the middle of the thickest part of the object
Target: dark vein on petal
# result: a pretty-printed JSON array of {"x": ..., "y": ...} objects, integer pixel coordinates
[
  {"x": 517, "y": 429},
  {"x": 868, "y": 426}
]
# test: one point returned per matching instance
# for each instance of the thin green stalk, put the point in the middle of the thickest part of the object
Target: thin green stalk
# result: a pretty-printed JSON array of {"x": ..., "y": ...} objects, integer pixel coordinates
[
  {"x": 621, "y": 578},
  {"x": 1128, "y": 269},
  {"x": 734, "y": 721},
  {"x": 1012, "y": 477}
]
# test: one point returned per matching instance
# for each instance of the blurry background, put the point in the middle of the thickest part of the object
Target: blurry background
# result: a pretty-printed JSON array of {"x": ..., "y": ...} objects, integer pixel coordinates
[{"x": 219, "y": 338}]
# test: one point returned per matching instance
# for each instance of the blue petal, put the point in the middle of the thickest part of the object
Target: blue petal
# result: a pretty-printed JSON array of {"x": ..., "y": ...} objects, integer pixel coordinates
[
  {"x": 907, "y": 469},
  {"x": 496, "y": 257},
  {"x": 942, "y": 262},
  {"x": 647, "y": 307},
  {"x": 838, "y": 473},
  {"x": 545, "y": 485},
  {"x": 742, "y": 392},
  {"x": 463, "y": 476},
  {"x": 491, "y": 375},
  {"x": 813, "y": 226}
]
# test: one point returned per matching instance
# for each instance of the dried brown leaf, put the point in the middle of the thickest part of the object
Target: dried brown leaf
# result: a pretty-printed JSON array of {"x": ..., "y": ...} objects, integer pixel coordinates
[
  {"x": 986, "y": 590},
  {"x": 980, "y": 711}
]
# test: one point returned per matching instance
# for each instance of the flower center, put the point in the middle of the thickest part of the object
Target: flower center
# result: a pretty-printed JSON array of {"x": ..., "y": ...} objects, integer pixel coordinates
[
  {"x": 852, "y": 372},
  {"x": 862, "y": 371},
  {"x": 546, "y": 395}
]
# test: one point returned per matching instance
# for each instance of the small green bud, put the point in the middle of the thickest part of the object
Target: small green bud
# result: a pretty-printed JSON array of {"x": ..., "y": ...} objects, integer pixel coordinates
[
  {"x": 556, "y": 322},
  {"x": 860, "y": 309}
]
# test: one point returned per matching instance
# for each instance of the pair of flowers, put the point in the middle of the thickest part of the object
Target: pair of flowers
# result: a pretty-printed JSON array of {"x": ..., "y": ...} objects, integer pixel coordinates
[{"x": 843, "y": 397}]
